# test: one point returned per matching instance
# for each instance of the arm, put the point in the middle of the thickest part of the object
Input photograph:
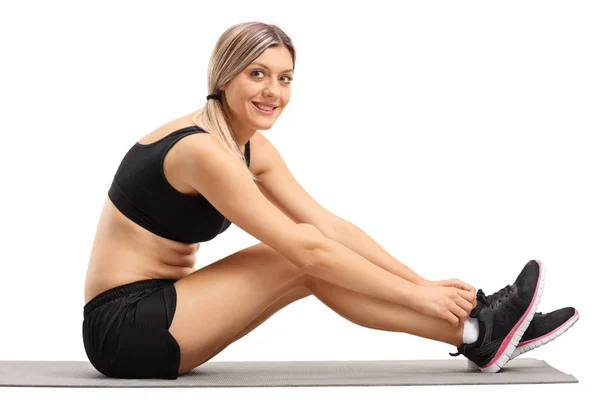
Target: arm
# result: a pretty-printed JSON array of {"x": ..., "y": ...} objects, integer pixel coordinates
[
  {"x": 356, "y": 239},
  {"x": 279, "y": 185},
  {"x": 224, "y": 182}
]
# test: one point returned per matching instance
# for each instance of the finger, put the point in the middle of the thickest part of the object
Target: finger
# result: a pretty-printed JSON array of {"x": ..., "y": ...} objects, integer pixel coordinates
[
  {"x": 469, "y": 296},
  {"x": 459, "y": 312},
  {"x": 455, "y": 283},
  {"x": 464, "y": 286},
  {"x": 461, "y": 299},
  {"x": 465, "y": 305},
  {"x": 468, "y": 287},
  {"x": 460, "y": 284},
  {"x": 450, "y": 317}
]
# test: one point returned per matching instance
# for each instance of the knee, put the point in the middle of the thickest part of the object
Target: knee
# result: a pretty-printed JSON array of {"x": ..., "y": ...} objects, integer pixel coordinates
[
  {"x": 310, "y": 282},
  {"x": 273, "y": 258}
]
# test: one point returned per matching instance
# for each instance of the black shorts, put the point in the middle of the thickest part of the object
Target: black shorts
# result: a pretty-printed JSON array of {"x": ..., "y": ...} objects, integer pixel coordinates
[{"x": 126, "y": 331}]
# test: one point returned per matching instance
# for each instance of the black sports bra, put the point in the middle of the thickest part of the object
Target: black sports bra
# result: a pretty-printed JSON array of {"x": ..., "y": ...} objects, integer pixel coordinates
[{"x": 142, "y": 193}]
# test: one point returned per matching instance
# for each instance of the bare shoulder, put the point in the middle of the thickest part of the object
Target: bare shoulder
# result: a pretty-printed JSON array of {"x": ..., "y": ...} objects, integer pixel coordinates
[
  {"x": 262, "y": 154},
  {"x": 198, "y": 152},
  {"x": 207, "y": 150}
]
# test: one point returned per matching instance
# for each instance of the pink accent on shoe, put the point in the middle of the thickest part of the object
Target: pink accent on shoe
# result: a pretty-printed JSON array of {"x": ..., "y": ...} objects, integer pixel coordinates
[
  {"x": 550, "y": 333},
  {"x": 513, "y": 331}
]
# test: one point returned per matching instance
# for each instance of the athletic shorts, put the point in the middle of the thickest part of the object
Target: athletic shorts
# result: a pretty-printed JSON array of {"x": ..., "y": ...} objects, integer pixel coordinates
[{"x": 126, "y": 331}]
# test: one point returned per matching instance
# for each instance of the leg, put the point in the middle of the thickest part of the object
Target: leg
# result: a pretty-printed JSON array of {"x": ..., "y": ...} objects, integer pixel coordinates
[
  {"x": 288, "y": 298},
  {"x": 224, "y": 301},
  {"x": 364, "y": 311},
  {"x": 218, "y": 302},
  {"x": 378, "y": 314}
]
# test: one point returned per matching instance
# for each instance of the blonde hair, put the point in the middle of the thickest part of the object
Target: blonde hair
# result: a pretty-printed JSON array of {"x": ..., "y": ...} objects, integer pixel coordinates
[{"x": 237, "y": 47}]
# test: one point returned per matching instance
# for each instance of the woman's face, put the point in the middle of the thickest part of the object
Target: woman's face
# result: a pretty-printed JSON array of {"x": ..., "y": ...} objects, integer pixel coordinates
[{"x": 264, "y": 83}]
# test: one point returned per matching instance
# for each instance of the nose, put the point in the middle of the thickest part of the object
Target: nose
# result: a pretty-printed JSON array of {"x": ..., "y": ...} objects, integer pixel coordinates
[{"x": 272, "y": 89}]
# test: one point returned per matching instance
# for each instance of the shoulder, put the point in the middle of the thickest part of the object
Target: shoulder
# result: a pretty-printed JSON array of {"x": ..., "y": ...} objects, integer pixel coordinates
[
  {"x": 209, "y": 149},
  {"x": 263, "y": 154},
  {"x": 203, "y": 147}
]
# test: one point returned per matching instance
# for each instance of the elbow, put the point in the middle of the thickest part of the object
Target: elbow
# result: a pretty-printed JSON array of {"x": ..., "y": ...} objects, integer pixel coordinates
[{"x": 313, "y": 245}]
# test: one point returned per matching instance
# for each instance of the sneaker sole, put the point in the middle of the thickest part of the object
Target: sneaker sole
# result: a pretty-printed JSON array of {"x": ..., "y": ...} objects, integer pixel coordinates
[
  {"x": 535, "y": 343},
  {"x": 511, "y": 341}
]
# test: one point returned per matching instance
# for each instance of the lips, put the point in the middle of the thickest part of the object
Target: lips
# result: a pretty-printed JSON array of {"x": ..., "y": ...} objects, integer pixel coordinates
[
  {"x": 264, "y": 112},
  {"x": 265, "y": 104}
]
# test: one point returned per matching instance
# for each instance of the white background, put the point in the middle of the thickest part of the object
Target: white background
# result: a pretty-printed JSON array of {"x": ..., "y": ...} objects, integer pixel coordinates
[{"x": 462, "y": 136}]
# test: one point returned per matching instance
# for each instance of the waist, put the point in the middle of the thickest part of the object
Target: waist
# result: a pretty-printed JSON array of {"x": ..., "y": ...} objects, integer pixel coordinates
[{"x": 122, "y": 291}]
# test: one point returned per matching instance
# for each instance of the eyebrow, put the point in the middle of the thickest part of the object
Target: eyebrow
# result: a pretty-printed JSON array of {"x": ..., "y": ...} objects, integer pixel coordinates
[{"x": 264, "y": 66}]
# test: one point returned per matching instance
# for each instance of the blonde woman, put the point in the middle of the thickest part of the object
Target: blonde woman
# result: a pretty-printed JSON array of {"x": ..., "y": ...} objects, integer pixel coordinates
[{"x": 150, "y": 314}]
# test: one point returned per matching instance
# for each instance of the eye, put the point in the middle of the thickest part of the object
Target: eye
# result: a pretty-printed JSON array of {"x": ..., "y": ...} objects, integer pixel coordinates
[{"x": 258, "y": 71}]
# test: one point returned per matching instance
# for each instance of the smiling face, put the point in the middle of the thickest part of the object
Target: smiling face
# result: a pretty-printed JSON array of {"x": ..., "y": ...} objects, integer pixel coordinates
[{"x": 265, "y": 83}]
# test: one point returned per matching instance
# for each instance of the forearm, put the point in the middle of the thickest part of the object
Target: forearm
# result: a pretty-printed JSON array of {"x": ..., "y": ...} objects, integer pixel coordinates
[
  {"x": 337, "y": 264},
  {"x": 354, "y": 238}
]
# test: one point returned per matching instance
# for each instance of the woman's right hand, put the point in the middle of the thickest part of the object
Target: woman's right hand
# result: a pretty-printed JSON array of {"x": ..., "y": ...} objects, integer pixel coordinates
[{"x": 449, "y": 303}]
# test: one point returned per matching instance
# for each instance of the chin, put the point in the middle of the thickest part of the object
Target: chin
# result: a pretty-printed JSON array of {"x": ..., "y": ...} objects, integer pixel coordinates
[{"x": 264, "y": 127}]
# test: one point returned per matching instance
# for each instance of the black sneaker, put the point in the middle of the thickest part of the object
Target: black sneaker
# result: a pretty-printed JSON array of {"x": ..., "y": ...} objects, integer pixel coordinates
[
  {"x": 503, "y": 321},
  {"x": 543, "y": 329}
]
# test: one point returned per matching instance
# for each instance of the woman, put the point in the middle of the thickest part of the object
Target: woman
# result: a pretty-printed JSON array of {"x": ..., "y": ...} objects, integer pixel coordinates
[{"x": 149, "y": 314}]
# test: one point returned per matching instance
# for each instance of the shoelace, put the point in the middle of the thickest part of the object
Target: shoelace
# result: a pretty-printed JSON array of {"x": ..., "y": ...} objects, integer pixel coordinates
[{"x": 493, "y": 299}]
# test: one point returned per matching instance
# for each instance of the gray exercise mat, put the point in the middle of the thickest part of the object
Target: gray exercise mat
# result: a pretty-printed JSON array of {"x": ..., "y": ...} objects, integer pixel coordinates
[{"x": 288, "y": 373}]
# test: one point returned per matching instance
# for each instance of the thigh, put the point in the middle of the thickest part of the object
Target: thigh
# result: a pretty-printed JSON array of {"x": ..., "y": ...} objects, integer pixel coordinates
[
  {"x": 216, "y": 303},
  {"x": 287, "y": 299}
]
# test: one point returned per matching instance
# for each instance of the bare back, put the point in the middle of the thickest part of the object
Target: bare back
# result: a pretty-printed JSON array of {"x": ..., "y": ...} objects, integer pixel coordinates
[{"x": 125, "y": 252}]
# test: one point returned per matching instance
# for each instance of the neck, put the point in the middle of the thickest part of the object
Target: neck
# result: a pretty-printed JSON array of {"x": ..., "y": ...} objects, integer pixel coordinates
[{"x": 241, "y": 133}]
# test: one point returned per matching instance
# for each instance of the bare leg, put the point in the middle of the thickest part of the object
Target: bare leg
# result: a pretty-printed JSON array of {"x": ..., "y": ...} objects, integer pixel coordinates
[
  {"x": 292, "y": 296},
  {"x": 222, "y": 302},
  {"x": 364, "y": 311},
  {"x": 378, "y": 314}
]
